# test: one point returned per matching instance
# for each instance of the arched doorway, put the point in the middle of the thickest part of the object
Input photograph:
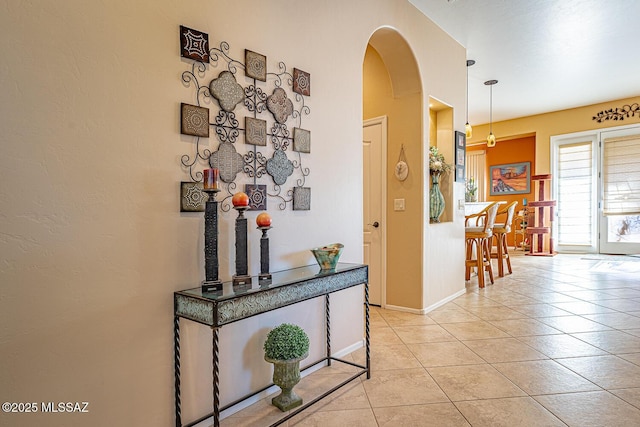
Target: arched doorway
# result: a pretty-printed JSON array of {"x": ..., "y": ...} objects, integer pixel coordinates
[{"x": 392, "y": 88}]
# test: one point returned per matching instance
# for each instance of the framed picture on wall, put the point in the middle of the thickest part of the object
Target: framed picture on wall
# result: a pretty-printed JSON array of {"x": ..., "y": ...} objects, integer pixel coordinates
[
  {"x": 513, "y": 178},
  {"x": 460, "y": 150}
]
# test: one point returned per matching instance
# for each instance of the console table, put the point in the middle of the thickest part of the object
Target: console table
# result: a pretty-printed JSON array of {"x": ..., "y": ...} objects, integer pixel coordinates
[{"x": 236, "y": 302}]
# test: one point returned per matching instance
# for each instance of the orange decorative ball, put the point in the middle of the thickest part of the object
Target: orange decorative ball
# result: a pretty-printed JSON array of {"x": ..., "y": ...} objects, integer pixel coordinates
[
  {"x": 240, "y": 199},
  {"x": 263, "y": 220}
]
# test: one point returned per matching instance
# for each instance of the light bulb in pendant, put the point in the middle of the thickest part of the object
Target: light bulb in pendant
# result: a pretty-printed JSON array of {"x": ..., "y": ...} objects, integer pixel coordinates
[{"x": 491, "y": 140}]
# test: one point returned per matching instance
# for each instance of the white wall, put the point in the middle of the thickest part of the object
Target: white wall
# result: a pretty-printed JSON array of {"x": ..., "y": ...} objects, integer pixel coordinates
[{"x": 92, "y": 245}]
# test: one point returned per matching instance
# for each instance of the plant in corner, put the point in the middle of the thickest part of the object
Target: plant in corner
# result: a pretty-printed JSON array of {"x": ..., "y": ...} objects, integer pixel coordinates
[{"x": 286, "y": 345}]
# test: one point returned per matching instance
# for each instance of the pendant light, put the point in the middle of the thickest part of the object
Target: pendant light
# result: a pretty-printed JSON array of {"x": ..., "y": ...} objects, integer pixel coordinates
[
  {"x": 468, "y": 130},
  {"x": 491, "y": 139}
]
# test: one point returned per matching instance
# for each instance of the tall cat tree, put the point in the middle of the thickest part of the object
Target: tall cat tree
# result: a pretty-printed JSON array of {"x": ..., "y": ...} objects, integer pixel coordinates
[{"x": 536, "y": 213}]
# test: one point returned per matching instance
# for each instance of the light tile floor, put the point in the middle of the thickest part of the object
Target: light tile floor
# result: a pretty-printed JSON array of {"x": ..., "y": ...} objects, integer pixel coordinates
[{"x": 557, "y": 343}]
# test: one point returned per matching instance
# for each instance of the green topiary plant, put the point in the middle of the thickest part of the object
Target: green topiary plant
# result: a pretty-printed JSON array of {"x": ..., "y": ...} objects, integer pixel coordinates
[{"x": 286, "y": 342}]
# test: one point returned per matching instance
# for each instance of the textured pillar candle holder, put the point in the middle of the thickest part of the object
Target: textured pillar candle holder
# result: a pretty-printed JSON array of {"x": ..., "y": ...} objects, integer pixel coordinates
[
  {"x": 265, "y": 277},
  {"x": 210, "y": 179},
  {"x": 241, "y": 275},
  {"x": 211, "y": 281}
]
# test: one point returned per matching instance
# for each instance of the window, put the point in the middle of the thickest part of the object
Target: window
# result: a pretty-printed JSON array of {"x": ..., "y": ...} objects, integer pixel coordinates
[
  {"x": 621, "y": 175},
  {"x": 575, "y": 187},
  {"x": 476, "y": 170}
]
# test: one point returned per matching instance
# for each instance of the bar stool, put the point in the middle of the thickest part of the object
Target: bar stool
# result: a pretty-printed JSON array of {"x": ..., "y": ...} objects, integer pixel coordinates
[
  {"x": 478, "y": 231},
  {"x": 500, "y": 231}
]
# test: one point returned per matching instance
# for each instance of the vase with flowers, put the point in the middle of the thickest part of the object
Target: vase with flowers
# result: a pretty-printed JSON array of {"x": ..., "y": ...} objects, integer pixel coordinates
[
  {"x": 437, "y": 167},
  {"x": 470, "y": 191}
]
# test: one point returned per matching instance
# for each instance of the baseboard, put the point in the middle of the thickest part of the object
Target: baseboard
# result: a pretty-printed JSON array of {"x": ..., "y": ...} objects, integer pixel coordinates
[
  {"x": 445, "y": 301},
  {"x": 404, "y": 309},
  {"x": 426, "y": 309},
  {"x": 353, "y": 347}
]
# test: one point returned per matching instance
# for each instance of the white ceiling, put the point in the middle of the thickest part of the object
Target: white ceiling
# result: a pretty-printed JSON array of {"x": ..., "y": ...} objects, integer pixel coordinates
[{"x": 547, "y": 55}]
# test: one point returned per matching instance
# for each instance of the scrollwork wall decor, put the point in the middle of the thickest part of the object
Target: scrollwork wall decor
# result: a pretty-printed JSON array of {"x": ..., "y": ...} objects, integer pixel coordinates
[
  {"x": 249, "y": 104},
  {"x": 618, "y": 113}
]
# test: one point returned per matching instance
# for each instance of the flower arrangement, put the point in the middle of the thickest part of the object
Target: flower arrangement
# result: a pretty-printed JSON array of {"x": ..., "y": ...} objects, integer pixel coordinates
[
  {"x": 437, "y": 164},
  {"x": 470, "y": 190}
]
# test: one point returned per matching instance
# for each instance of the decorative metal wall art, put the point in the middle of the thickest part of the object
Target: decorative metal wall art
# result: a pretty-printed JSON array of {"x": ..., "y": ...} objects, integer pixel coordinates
[
  {"x": 301, "y": 198},
  {"x": 192, "y": 198},
  {"x": 194, "y": 120},
  {"x": 280, "y": 106},
  {"x": 301, "y": 82},
  {"x": 301, "y": 140},
  {"x": 255, "y": 131},
  {"x": 195, "y": 44},
  {"x": 257, "y": 196},
  {"x": 226, "y": 90},
  {"x": 618, "y": 113},
  {"x": 279, "y": 167},
  {"x": 227, "y": 160},
  {"x": 262, "y": 106},
  {"x": 256, "y": 67}
]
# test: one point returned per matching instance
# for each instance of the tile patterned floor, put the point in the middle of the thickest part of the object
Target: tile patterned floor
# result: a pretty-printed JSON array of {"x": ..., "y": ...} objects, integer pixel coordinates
[{"x": 557, "y": 343}]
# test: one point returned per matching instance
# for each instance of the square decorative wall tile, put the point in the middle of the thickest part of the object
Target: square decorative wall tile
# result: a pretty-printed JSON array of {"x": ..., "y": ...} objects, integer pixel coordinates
[
  {"x": 194, "y": 44},
  {"x": 255, "y": 65},
  {"x": 301, "y": 198},
  {"x": 255, "y": 131},
  {"x": 192, "y": 198},
  {"x": 257, "y": 196},
  {"x": 194, "y": 120},
  {"x": 301, "y": 140},
  {"x": 301, "y": 82}
]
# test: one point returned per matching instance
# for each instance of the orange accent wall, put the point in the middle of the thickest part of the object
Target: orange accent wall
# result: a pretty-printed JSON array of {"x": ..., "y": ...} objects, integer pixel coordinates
[{"x": 505, "y": 152}]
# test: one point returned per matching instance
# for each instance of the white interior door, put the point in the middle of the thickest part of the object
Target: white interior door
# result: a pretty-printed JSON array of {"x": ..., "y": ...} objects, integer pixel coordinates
[{"x": 374, "y": 135}]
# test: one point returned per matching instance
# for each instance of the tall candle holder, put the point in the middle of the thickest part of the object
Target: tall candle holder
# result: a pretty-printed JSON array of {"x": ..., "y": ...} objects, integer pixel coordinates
[
  {"x": 211, "y": 269},
  {"x": 265, "y": 277},
  {"x": 210, "y": 186},
  {"x": 241, "y": 275}
]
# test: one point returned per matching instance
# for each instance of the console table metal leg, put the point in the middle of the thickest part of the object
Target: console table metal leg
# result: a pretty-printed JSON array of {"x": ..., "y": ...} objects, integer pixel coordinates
[
  {"x": 328, "y": 327},
  {"x": 216, "y": 377},
  {"x": 366, "y": 329},
  {"x": 176, "y": 367}
]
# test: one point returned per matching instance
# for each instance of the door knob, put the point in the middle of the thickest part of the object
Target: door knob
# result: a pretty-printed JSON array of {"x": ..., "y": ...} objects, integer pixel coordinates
[{"x": 376, "y": 224}]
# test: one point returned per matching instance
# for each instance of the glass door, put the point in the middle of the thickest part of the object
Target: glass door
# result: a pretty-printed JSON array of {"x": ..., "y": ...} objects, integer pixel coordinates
[
  {"x": 619, "y": 213},
  {"x": 574, "y": 166}
]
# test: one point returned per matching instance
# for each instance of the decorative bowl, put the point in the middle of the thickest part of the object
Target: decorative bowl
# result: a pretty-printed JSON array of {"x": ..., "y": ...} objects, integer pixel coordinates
[{"x": 328, "y": 255}]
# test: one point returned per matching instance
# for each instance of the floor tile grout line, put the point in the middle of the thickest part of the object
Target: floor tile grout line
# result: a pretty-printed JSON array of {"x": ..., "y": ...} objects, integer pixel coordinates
[{"x": 501, "y": 299}]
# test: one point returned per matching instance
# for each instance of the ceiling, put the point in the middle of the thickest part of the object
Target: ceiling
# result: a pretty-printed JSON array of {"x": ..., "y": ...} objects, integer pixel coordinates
[{"x": 547, "y": 55}]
